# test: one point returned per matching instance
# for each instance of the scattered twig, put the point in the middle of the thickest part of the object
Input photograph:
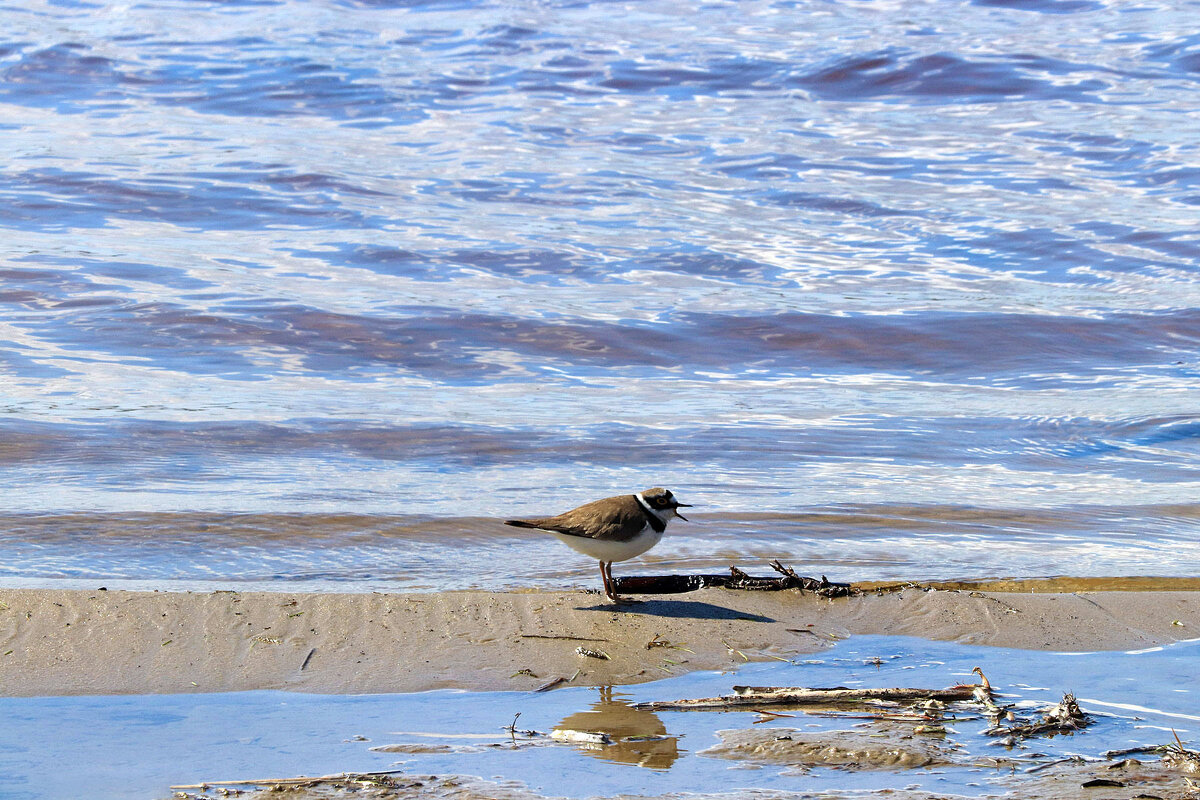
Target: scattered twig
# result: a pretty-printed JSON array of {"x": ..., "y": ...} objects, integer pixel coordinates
[
  {"x": 1055, "y": 763},
  {"x": 512, "y": 731},
  {"x": 732, "y": 650},
  {"x": 880, "y": 717},
  {"x": 787, "y": 572},
  {"x": 550, "y": 684},
  {"x": 1131, "y": 751},
  {"x": 555, "y": 682},
  {"x": 307, "y": 658},
  {"x": 768, "y": 716}
]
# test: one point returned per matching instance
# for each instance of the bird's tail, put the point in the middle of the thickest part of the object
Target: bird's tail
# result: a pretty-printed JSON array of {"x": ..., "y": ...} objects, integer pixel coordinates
[{"x": 520, "y": 523}]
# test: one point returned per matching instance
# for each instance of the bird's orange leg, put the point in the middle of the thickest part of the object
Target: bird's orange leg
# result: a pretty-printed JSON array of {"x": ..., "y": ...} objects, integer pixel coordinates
[{"x": 610, "y": 586}]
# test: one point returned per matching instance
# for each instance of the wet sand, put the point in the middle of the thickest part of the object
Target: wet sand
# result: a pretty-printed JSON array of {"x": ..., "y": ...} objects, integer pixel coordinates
[
  {"x": 1133, "y": 780},
  {"x": 114, "y": 642},
  {"x": 883, "y": 746}
]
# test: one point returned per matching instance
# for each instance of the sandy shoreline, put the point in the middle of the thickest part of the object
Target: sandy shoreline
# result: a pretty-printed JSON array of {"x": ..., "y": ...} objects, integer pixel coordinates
[{"x": 55, "y": 641}]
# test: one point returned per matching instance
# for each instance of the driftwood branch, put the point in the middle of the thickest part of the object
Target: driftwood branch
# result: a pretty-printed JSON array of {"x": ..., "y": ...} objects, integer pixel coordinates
[
  {"x": 797, "y": 695},
  {"x": 736, "y": 579}
]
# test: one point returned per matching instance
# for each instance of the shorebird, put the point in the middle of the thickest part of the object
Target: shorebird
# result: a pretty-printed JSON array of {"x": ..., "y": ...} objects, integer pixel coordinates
[{"x": 612, "y": 529}]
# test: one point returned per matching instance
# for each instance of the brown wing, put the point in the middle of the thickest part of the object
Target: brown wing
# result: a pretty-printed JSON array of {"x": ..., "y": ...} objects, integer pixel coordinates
[{"x": 622, "y": 519}]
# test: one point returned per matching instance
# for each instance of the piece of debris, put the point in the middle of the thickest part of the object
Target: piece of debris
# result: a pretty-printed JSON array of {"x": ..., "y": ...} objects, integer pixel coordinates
[
  {"x": 1064, "y": 717},
  {"x": 368, "y": 778},
  {"x": 581, "y": 737},
  {"x": 658, "y": 641},
  {"x": 1179, "y": 757},
  {"x": 590, "y": 653}
]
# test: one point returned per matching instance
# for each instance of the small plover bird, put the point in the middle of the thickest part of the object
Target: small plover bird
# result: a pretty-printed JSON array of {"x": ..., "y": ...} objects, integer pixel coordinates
[{"x": 612, "y": 529}]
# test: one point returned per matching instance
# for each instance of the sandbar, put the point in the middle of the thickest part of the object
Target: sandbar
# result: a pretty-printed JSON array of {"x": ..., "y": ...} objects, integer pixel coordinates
[{"x": 72, "y": 641}]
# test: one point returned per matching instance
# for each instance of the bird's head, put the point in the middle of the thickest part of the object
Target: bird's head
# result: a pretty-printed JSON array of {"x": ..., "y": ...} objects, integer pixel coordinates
[{"x": 663, "y": 503}]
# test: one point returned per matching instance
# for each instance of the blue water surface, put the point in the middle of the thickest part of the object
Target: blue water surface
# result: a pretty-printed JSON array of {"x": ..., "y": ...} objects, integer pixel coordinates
[{"x": 470, "y": 260}]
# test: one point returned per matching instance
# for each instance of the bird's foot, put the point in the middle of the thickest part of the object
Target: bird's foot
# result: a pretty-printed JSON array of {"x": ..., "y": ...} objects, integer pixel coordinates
[{"x": 623, "y": 601}]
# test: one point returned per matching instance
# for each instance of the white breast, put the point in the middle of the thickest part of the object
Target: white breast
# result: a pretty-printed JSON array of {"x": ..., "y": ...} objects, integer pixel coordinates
[{"x": 612, "y": 551}]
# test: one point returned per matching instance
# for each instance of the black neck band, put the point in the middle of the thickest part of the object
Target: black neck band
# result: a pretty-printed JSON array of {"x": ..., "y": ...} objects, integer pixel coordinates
[{"x": 655, "y": 521}]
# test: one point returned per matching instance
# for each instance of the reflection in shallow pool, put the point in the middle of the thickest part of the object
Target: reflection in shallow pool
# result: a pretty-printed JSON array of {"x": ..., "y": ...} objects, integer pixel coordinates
[
  {"x": 636, "y": 736},
  {"x": 136, "y": 746}
]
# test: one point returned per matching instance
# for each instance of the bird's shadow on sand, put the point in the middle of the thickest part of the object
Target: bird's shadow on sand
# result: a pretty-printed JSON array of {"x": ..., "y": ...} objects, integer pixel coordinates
[{"x": 678, "y": 609}]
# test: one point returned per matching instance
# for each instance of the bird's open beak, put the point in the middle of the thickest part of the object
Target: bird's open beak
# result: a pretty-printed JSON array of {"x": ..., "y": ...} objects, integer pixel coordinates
[{"x": 679, "y": 506}]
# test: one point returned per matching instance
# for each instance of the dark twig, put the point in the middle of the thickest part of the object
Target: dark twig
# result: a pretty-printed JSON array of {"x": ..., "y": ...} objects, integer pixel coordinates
[{"x": 736, "y": 579}]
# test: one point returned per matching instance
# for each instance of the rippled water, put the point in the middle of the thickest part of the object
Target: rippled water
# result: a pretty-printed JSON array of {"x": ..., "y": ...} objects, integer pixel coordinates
[
  {"x": 299, "y": 290},
  {"x": 136, "y": 746}
]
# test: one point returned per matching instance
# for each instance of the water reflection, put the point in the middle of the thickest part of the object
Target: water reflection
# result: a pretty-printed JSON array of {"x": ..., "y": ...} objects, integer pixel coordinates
[
  {"x": 638, "y": 737},
  {"x": 137, "y": 745}
]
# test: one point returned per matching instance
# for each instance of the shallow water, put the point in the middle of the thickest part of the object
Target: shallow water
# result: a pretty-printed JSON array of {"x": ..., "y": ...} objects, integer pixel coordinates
[
  {"x": 326, "y": 552},
  {"x": 136, "y": 746},
  {"x": 404, "y": 266}
]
